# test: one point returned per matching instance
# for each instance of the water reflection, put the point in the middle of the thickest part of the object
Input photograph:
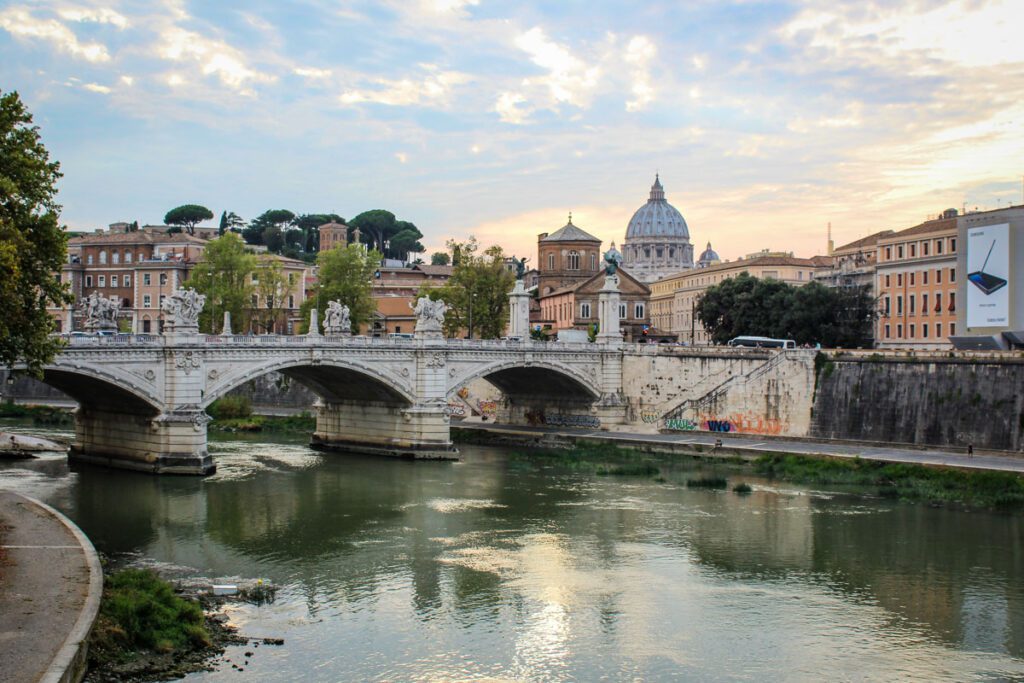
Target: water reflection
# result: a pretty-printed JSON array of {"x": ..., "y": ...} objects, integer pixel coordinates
[{"x": 509, "y": 568}]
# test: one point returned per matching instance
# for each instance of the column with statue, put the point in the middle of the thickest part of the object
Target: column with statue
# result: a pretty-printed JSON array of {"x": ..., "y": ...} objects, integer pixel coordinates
[
  {"x": 608, "y": 300},
  {"x": 519, "y": 304}
]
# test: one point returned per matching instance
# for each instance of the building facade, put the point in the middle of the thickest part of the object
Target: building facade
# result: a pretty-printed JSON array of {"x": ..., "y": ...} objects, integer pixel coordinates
[
  {"x": 575, "y": 307},
  {"x": 916, "y": 282},
  {"x": 566, "y": 257},
  {"x": 657, "y": 240}
]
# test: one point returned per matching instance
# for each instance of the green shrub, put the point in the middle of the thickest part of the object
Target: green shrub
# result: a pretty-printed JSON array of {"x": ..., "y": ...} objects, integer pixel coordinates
[
  {"x": 742, "y": 488},
  {"x": 638, "y": 470},
  {"x": 230, "y": 407},
  {"x": 707, "y": 483}
]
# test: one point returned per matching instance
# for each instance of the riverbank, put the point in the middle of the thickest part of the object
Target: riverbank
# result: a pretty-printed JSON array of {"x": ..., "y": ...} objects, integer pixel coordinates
[{"x": 895, "y": 474}]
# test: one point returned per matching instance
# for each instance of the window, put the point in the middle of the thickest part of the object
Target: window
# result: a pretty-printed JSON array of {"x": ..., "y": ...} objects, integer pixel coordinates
[
  {"x": 163, "y": 297},
  {"x": 888, "y": 332},
  {"x": 952, "y": 329},
  {"x": 103, "y": 258},
  {"x": 912, "y": 330},
  {"x": 127, "y": 257},
  {"x": 127, "y": 280},
  {"x": 574, "y": 260},
  {"x": 638, "y": 311},
  {"x": 660, "y": 252},
  {"x": 147, "y": 301},
  {"x": 102, "y": 281},
  {"x": 887, "y": 304},
  {"x": 938, "y": 246},
  {"x": 799, "y": 275},
  {"x": 647, "y": 253},
  {"x": 938, "y": 276},
  {"x": 924, "y": 304},
  {"x": 163, "y": 278},
  {"x": 952, "y": 301},
  {"x": 913, "y": 250},
  {"x": 398, "y": 329},
  {"x": 146, "y": 279},
  {"x": 938, "y": 302},
  {"x": 88, "y": 259},
  {"x": 899, "y": 279},
  {"x": 924, "y": 274},
  {"x": 115, "y": 257},
  {"x": 899, "y": 251},
  {"x": 142, "y": 257},
  {"x": 899, "y": 305},
  {"x": 88, "y": 280},
  {"x": 899, "y": 331},
  {"x": 924, "y": 331},
  {"x": 291, "y": 278},
  {"x": 255, "y": 301},
  {"x": 911, "y": 279},
  {"x": 585, "y": 310},
  {"x": 593, "y": 261},
  {"x": 938, "y": 330},
  {"x": 888, "y": 253},
  {"x": 913, "y": 301},
  {"x": 291, "y": 301},
  {"x": 952, "y": 274},
  {"x": 551, "y": 261},
  {"x": 255, "y": 279},
  {"x": 887, "y": 284},
  {"x": 270, "y": 301},
  {"x": 622, "y": 311},
  {"x": 145, "y": 326},
  {"x": 924, "y": 248},
  {"x": 952, "y": 244},
  {"x": 113, "y": 281}
]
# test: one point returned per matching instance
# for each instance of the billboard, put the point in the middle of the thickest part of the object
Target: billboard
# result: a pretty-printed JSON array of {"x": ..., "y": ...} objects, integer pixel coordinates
[{"x": 988, "y": 276}]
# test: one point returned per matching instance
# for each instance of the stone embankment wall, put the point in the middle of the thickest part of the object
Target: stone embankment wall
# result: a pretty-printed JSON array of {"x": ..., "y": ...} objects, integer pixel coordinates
[
  {"x": 727, "y": 391},
  {"x": 941, "y": 400}
]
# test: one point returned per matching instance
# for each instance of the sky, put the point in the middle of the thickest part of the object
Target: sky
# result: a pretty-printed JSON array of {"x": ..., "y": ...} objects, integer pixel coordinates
[{"x": 766, "y": 120}]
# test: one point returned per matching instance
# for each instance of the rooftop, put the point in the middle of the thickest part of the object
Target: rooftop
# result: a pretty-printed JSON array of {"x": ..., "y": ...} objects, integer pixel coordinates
[{"x": 570, "y": 233}]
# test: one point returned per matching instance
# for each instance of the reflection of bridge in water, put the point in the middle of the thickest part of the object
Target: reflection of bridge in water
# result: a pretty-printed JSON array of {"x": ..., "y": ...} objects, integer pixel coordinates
[{"x": 142, "y": 399}]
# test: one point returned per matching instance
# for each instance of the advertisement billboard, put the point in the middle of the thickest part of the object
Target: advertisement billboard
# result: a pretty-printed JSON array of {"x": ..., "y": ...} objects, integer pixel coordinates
[{"x": 988, "y": 276}]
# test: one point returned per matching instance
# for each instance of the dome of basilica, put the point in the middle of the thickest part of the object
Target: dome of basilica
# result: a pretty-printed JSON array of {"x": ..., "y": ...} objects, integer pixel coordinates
[{"x": 657, "y": 218}]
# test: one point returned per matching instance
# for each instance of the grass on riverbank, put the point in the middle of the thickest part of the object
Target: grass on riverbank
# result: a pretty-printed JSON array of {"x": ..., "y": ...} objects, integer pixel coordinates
[
  {"x": 44, "y": 416},
  {"x": 303, "y": 423},
  {"x": 140, "y": 613},
  {"x": 975, "y": 488}
]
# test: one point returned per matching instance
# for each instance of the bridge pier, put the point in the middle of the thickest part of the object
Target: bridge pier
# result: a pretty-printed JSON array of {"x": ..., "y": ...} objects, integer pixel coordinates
[
  {"x": 168, "y": 443},
  {"x": 383, "y": 428}
]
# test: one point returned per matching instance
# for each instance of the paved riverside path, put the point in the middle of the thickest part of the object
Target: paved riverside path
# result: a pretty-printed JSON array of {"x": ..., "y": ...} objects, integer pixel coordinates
[
  {"x": 753, "y": 444},
  {"x": 49, "y": 591}
]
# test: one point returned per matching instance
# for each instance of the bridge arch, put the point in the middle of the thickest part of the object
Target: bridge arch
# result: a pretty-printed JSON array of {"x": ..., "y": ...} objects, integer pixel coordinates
[
  {"x": 517, "y": 378},
  {"x": 103, "y": 388},
  {"x": 333, "y": 380}
]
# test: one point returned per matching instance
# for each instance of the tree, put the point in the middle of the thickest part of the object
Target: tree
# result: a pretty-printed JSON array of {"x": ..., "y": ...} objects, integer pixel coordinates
[
  {"x": 135, "y": 226},
  {"x": 380, "y": 229},
  {"x": 269, "y": 225},
  {"x": 187, "y": 216},
  {"x": 272, "y": 290},
  {"x": 32, "y": 245},
  {"x": 230, "y": 222},
  {"x": 224, "y": 275},
  {"x": 440, "y": 258},
  {"x": 477, "y": 292},
  {"x": 812, "y": 314},
  {"x": 345, "y": 275}
]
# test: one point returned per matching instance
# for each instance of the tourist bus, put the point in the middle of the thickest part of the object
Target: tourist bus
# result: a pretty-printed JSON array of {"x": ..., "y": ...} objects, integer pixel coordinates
[{"x": 763, "y": 342}]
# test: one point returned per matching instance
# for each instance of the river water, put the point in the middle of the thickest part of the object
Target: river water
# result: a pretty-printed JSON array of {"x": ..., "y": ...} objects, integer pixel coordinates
[{"x": 504, "y": 567}]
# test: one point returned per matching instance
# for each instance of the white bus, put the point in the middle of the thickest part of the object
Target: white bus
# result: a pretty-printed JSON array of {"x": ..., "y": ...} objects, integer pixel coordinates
[{"x": 763, "y": 342}]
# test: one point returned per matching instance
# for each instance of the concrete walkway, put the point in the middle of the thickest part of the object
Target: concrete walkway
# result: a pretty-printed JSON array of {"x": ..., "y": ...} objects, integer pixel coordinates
[
  {"x": 50, "y": 587},
  {"x": 752, "y": 445}
]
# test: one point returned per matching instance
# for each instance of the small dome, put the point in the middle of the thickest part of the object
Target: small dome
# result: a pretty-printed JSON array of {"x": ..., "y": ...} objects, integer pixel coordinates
[
  {"x": 708, "y": 257},
  {"x": 657, "y": 218}
]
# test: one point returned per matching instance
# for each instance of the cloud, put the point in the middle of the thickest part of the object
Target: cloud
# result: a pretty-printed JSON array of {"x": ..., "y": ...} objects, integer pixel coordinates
[
  {"x": 98, "y": 15},
  {"x": 214, "y": 58},
  {"x": 568, "y": 78},
  {"x": 97, "y": 88},
  {"x": 510, "y": 108},
  {"x": 402, "y": 157},
  {"x": 640, "y": 52},
  {"x": 20, "y": 23},
  {"x": 312, "y": 73},
  {"x": 433, "y": 90}
]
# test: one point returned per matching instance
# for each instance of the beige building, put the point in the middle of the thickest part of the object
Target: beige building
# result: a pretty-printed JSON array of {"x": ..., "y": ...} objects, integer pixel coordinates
[
  {"x": 575, "y": 307},
  {"x": 674, "y": 299},
  {"x": 916, "y": 282}
]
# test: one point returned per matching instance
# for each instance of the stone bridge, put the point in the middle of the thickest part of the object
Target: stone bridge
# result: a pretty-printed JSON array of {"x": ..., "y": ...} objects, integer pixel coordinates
[{"x": 143, "y": 399}]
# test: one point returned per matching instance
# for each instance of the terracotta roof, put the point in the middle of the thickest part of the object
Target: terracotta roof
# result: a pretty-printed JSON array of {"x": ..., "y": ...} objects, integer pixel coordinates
[
  {"x": 937, "y": 225},
  {"x": 135, "y": 238},
  {"x": 823, "y": 260},
  {"x": 869, "y": 241},
  {"x": 570, "y": 233}
]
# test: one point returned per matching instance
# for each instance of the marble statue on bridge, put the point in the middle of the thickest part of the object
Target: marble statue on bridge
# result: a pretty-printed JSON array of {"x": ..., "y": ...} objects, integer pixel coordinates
[
  {"x": 429, "y": 316},
  {"x": 182, "y": 309},
  {"x": 101, "y": 312},
  {"x": 337, "y": 319}
]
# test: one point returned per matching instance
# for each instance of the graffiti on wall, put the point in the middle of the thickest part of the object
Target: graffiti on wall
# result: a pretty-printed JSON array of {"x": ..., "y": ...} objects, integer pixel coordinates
[
  {"x": 463, "y": 392},
  {"x": 538, "y": 418},
  {"x": 455, "y": 409},
  {"x": 650, "y": 416},
  {"x": 737, "y": 422},
  {"x": 487, "y": 408}
]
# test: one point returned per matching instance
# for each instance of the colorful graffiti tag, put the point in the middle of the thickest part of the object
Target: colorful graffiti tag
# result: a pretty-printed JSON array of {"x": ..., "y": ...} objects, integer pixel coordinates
[
  {"x": 487, "y": 408},
  {"x": 650, "y": 416},
  {"x": 738, "y": 423},
  {"x": 680, "y": 424},
  {"x": 455, "y": 409},
  {"x": 538, "y": 418}
]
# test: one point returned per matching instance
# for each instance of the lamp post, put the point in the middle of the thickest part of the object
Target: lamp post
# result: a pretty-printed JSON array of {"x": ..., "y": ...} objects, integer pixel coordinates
[{"x": 472, "y": 294}]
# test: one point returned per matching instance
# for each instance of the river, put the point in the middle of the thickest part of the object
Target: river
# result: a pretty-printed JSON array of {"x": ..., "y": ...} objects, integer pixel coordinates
[{"x": 504, "y": 567}]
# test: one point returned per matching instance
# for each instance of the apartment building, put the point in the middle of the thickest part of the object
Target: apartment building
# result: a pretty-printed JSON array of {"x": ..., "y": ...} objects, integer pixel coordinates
[{"x": 916, "y": 281}]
